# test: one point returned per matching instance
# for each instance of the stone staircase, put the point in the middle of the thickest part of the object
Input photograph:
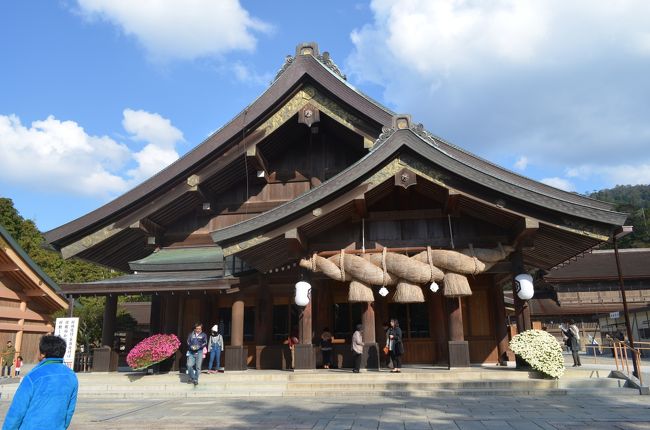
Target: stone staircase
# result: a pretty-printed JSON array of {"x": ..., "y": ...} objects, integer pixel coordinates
[{"x": 480, "y": 381}]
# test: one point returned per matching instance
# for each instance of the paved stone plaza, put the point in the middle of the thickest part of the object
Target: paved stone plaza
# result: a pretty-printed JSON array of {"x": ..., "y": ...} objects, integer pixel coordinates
[{"x": 502, "y": 413}]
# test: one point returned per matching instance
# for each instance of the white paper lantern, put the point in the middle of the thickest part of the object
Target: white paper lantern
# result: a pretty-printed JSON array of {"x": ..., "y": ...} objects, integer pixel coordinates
[
  {"x": 383, "y": 291},
  {"x": 302, "y": 293},
  {"x": 524, "y": 286},
  {"x": 434, "y": 287}
]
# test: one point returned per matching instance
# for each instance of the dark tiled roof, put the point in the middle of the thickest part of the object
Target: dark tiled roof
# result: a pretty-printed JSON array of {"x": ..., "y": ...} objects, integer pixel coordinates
[
  {"x": 601, "y": 265},
  {"x": 176, "y": 259},
  {"x": 431, "y": 149}
]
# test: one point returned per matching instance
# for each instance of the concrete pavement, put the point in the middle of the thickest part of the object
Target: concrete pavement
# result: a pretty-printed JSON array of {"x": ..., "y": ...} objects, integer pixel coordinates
[{"x": 460, "y": 413}]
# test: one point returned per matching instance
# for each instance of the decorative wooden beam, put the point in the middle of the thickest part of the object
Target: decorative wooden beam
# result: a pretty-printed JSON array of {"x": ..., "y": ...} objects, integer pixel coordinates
[
  {"x": 8, "y": 267},
  {"x": 361, "y": 207},
  {"x": 296, "y": 242},
  {"x": 309, "y": 115},
  {"x": 526, "y": 229},
  {"x": 405, "y": 178},
  {"x": 153, "y": 231},
  {"x": 451, "y": 202},
  {"x": 258, "y": 161}
]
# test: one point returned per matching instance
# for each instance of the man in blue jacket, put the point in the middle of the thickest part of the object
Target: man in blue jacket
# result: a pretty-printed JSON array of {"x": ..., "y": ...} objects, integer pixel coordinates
[{"x": 47, "y": 395}]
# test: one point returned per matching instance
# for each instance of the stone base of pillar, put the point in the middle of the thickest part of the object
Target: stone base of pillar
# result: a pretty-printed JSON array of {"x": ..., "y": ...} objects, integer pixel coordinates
[
  {"x": 370, "y": 357},
  {"x": 235, "y": 357},
  {"x": 304, "y": 356},
  {"x": 104, "y": 359},
  {"x": 458, "y": 353}
]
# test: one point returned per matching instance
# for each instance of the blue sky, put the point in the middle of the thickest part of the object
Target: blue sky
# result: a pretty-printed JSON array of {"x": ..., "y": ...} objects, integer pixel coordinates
[{"x": 97, "y": 95}]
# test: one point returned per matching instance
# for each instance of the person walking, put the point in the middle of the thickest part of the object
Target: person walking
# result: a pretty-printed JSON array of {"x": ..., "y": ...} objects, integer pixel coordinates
[
  {"x": 292, "y": 342},
  {"x": 7, "y": 358},
  {"x": 19, "y": 365},
  {"x": 572, "y": 333},
  {"x": 196, "y": 341},
  {"x": 215, "y": 346},
  {"x": 47, "y": 396},
  {"x": 357, "y": 348},
  {"x": 395, "y": 345},
  {"x": 326, "y": 347}
]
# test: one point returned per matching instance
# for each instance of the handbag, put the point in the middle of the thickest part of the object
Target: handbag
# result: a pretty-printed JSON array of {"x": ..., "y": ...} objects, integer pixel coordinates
[{"x": 386, "y": 350}]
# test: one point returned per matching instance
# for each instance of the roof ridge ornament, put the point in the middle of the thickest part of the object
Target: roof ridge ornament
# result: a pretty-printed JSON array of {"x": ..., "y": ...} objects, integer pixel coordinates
[
  {"x": 404, "y": 122},
  {"x": 311, "y": 48}
]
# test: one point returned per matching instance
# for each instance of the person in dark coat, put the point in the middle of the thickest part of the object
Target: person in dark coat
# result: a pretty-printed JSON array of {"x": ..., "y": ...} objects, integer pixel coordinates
[
  {"x": 395, "y": 345},
  {"x": 572, "y": 334},
  {"x": 196, "y": 341}
]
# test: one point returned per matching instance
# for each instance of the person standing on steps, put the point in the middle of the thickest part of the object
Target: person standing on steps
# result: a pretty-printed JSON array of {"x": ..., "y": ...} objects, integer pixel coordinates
[
  {"x": 7, "y": 358},
  {"x": 395, "y": 345},
  {"x": 357, "y": 348},
  {"x": 196, "y": 341},
  {"x": 215, "y": 346},
  {"x": 572, "y": 333},
  {"x": 326, "y": 347}
]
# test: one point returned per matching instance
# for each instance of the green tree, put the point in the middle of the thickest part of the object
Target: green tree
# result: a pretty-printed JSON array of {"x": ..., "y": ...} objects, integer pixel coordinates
[
  {"x": 89, "y": 309},
  {"x": 635, "y": 201}
]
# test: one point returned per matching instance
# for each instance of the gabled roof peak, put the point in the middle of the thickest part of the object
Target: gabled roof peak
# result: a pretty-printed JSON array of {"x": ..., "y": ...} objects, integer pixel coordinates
[{"x": 311, "y": 48}]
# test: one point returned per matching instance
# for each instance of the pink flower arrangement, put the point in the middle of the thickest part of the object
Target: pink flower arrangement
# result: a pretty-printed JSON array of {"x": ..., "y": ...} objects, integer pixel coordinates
[{"x": 152, "y": 350}]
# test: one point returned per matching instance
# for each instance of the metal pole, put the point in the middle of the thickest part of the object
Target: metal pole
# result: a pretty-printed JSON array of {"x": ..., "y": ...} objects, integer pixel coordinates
[{"x": 627, "y": 316}]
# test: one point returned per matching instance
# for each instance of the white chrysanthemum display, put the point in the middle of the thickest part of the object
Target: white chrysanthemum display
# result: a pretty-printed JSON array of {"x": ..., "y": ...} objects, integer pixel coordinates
[{"x": 541, "y": 350}]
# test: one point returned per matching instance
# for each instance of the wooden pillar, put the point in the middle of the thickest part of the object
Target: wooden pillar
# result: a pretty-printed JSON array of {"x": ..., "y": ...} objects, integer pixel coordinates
[
  {"x": 155, "y": 324},
  {"x": 235, "y": 352},
  {"x": 237, "y": 323},
  {"x": 304, "y": 351},
  {"x": 70, "y": 306},
  {"x": 438, "y": 327},
  {"x": 18, "y": 344},
  {"x": 458, "y": 346},
  {"x": 501, "y": 330},
  {"x": 370, "y": 358},
  {"x": 522, "y": 310},
  {"x": 263, "y": 325},
  {"x": 108, "y": 325},
  {"x": 305, "y": 331},
  {"x": 263, "y": 316}
]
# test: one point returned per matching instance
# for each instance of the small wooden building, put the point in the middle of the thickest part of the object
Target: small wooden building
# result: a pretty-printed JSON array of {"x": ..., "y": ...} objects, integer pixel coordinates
[
  {"x": 313, "y": 175},
  {"x": 28, "y": 298}
]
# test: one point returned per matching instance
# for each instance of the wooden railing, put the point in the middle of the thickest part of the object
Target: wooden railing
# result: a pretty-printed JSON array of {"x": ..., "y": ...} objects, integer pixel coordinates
[{"x": 621, "y": 353}]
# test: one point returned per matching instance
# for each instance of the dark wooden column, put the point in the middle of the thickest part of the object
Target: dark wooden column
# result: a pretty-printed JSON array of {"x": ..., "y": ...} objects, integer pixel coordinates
[
  {"x": 108, "y": 323},
  {"x": 104, "y": 358},
  {"x": 501, "y": 330},
  {"x": 438, "y": 327},
  {"x": 370, "y": 359},
  {"x": 304, "y": 351},
  {"x": 263, "y": 325},
  {"x": 522, "y": 310},
  {"x": 235, "y": 352},
  {"x": 155, "y": 323},
  {"x": 458, "y": 346}
]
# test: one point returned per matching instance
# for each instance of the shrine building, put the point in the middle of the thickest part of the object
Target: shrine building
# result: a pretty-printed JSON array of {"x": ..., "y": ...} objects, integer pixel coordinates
[{"x": 316, "y": 182}]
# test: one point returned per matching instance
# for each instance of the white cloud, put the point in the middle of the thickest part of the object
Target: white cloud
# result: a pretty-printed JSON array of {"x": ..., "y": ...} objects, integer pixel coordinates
[
  {"x": 521, "y": 163},
  {"x": 180, "y": 29},
  {"x": 161, "y": 137},
  {"x": 560, "y": 183},
  {"x": 54, "y": 155},
  {"x": 612, "y": 175},
  {"x": 59, "y": 156},
  {"x": 245, "y": 74},
  {"x": 504, "y": 77}
]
